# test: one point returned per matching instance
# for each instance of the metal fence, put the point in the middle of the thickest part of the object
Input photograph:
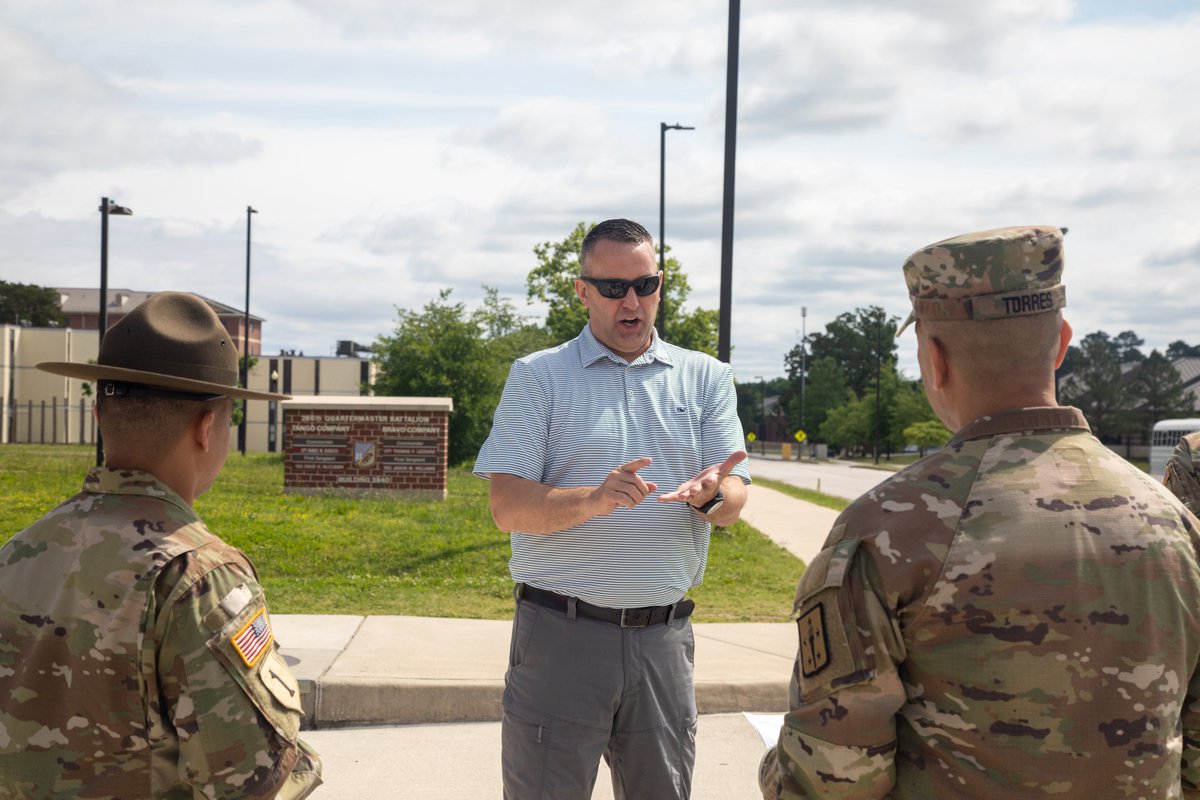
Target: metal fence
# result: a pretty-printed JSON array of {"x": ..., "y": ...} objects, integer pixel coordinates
[{"x": 53, "y": 421}]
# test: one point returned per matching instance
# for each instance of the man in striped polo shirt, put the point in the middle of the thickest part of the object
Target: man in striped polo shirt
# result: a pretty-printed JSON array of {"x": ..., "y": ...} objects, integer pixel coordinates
[{"x": 610, "y": 456}]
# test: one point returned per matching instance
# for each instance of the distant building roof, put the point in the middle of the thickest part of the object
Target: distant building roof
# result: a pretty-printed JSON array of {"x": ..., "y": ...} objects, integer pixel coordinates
[
  {"x": 1188, "y": 369},
  {"x": 87, "y": 301}
]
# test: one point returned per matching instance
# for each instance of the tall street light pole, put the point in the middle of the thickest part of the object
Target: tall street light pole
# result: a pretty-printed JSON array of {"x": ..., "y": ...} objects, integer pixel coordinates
[
  {"x": 107, "y": 207},
  {"x": 724, "y": 348},
  {"x": 662, "y": 216},
  {"x": 878, "y": 369},
  {"x": 245, "y": 376}
]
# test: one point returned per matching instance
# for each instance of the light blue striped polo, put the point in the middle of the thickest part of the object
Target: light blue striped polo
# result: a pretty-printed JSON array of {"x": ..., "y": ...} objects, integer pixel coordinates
[{"x": 569, "y": 416}]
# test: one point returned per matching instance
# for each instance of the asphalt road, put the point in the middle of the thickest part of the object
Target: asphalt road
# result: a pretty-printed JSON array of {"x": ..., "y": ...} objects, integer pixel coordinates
[{"x": 830, "y": 477}]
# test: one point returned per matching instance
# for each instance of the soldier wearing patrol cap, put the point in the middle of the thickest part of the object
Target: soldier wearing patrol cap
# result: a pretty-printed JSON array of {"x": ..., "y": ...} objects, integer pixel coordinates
[
  {"x": 1017, "y": 614},
  {"x": 136, "y": 653}
]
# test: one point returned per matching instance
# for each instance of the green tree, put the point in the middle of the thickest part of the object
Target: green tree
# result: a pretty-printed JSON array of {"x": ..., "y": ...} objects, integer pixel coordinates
[
  {"x": 446, "y": 351},
  {"x": 510, "y": 335},
  {"x": 1096, "y": 388},
  {"x": 1159, "y": 392},
  {"x": 29, "y": 305},
  {"x": 850, "y": 426},
  {"x": 1127, "y": 345},
  {"x": 552, "y": 282},
  {"x": 925, "y": 435},
  {"x": 1180, "y": 349},
  {"x": 855, "y": 339},
  {"x": 909, "y": 407},
  {"x": 825, "y": 389}
]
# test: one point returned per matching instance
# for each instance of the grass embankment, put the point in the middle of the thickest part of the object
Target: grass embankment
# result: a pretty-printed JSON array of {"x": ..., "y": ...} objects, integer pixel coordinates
[
  {"x": 326, "y": 555},
  {"x": 818, "y": 498}
]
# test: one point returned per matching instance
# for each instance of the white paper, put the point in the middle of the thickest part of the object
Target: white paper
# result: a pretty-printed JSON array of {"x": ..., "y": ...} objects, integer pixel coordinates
[{"x": 767, "y": 725}]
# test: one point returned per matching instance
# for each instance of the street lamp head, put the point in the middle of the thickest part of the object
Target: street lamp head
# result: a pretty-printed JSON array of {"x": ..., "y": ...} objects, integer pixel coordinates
[
  {"x": 676, "y": 127},
  {"x": 250, "y": 210},
  {"x": 113, "y": 208}
]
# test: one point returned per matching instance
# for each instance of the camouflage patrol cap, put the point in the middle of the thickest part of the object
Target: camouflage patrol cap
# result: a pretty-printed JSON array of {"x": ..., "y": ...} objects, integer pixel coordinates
[{"x": 996, "y": 274}]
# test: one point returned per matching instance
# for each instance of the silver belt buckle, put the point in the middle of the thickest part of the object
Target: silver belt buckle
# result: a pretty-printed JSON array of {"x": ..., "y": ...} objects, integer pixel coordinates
[{"x": 624, "y": 611}]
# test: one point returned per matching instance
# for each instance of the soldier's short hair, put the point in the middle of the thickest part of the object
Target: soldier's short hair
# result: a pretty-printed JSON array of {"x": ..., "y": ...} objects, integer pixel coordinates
[{"x": 145, "y": 421}]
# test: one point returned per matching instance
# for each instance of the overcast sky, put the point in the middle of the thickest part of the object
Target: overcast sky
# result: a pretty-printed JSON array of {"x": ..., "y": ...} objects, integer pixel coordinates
[{"x": 394, "y": 148}]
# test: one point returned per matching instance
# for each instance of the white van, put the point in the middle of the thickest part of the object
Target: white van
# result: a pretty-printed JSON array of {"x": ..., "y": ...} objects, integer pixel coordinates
[{"x": 1164, "y": 436}]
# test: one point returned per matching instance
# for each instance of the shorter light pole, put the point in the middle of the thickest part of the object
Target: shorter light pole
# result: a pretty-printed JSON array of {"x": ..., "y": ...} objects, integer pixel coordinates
[
  {"x": 107, "y": 207},
  {"x": 245, "y": 376},
  {"x": 662, "y": 216},
  {"x": 762, "y": 390},
  {"x": 803, "y": 364}
]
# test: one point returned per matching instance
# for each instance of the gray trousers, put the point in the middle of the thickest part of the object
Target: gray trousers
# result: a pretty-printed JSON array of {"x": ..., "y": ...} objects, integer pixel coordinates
[{"x": 577, "y": 689}]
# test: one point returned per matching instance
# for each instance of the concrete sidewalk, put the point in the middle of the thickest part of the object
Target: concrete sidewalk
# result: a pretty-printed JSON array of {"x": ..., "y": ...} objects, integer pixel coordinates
[{"x": 392, "y": 670}]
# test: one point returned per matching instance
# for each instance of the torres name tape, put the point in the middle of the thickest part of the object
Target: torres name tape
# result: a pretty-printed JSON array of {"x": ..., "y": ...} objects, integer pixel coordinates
[{"x": 991, "y": 306}]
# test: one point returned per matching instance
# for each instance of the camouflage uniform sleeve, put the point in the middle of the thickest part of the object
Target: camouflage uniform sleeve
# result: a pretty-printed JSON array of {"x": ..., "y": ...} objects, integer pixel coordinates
[
  {"x": 1190, "y": 716},
  {"x": 1190, "y": 720},
  {"x": 1181, "y": 473},
  {"x": 839, "y": 740},
  {"x": 232, "y": 701}
]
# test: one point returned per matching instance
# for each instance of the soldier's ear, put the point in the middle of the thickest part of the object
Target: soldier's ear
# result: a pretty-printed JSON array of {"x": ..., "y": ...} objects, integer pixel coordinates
[
  {"x": 939, "y": 363},
  {"x": 202, "y": 429},
  {"x": 1064, "y": 341}
]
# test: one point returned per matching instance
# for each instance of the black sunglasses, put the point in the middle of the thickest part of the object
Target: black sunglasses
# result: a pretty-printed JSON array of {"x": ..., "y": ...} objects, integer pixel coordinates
[{"x": 615, "y": 288}]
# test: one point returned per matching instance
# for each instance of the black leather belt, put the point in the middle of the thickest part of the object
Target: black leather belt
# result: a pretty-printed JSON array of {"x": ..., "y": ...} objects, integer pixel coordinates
[{"x": 625, "y": 617}]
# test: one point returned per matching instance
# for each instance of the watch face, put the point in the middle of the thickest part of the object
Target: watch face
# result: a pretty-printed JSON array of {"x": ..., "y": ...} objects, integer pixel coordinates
[{"x": 713, "y": 506}]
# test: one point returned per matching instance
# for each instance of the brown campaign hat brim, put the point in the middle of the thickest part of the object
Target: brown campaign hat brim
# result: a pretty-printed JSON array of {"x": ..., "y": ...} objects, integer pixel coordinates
[
  {"x": 172, "y": 340},
  {"x": 100, "y": 372}
]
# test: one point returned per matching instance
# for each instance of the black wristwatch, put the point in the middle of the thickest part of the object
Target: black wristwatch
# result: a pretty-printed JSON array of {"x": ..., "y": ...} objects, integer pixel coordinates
[{"x": 712, "y": 505}]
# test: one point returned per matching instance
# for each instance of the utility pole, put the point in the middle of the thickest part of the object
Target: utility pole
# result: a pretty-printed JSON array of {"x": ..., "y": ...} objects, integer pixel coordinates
[
  {"x": 878, "y": 371},
  {"x": 724, "y": 324}
]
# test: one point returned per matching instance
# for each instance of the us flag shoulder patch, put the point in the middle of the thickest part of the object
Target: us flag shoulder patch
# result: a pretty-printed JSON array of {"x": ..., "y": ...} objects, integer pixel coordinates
[{"x": 254, "y": 638}]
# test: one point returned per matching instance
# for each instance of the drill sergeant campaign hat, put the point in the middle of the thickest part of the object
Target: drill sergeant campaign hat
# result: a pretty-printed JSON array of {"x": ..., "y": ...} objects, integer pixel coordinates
[
  {"x": 173, "y": 341},
  {"x": 996, "y": 274}
]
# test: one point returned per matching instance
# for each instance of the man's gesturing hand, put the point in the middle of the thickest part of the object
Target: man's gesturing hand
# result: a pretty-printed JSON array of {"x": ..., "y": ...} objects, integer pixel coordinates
[
  {"x": 700, "y": 489},
  {"x": 624, "y": 487}
]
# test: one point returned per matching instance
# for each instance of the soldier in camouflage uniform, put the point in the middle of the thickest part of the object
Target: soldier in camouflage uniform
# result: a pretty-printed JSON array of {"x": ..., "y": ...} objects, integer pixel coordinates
[
  {"x": 136, "y": 655},
  {"x": 1182, "y": 476},
  {"x": 1016, "y": 615}
]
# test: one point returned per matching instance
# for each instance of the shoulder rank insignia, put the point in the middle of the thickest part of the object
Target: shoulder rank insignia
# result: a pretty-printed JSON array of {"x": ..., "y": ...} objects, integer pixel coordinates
[
  {"x": 254, "y": 638},
  {"x": 814, "y": 645}
]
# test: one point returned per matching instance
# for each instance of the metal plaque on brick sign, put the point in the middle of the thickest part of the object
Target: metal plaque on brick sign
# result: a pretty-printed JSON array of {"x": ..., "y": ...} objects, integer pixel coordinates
[{"x": 393, "y": 446}]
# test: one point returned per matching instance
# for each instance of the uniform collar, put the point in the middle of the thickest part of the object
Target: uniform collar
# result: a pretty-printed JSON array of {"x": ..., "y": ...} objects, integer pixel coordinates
[
  {"x": 1020, "y": 420},
  {"x": 591, "y": 350},
  {"x": 104, "y": 480}
]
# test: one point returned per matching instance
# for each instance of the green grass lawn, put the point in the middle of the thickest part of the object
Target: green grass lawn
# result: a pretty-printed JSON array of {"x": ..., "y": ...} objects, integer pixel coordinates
[
  {"x": 327, "y": 555},
  {"x": 819, "y": 498}
]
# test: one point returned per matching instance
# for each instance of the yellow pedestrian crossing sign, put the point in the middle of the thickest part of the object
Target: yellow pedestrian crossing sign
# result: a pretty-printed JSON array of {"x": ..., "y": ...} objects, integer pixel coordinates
[
  {"x": 801, "y": 436},
  {"x": 750, "y": 437}
]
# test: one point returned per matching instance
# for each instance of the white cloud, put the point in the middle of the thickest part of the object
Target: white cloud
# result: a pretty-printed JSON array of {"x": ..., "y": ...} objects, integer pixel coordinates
[{"x": 394, "y": 148}]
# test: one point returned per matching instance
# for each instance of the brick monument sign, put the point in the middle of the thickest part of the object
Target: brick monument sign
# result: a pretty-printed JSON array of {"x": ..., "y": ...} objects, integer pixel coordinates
[{"x": 393, "y": 446}]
